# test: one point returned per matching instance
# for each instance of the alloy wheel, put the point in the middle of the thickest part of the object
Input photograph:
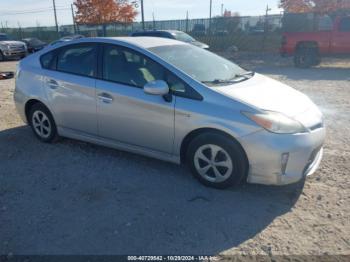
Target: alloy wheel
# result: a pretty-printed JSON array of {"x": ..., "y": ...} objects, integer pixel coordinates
[
  {"x": 213, "y": 163},
  {"x": 41, "y": 124}
]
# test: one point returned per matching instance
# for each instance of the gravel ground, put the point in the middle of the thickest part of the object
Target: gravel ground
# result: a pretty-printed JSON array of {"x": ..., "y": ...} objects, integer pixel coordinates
[{"x": 76, "y": 198}]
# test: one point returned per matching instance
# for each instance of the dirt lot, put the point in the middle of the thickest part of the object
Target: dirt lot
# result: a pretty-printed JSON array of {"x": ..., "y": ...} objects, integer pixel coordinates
[{"x": 77, "y": 198}]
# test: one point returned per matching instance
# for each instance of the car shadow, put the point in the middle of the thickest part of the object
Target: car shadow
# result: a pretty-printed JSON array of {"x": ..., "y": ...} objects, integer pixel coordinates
[{"x": 76, "y": 198}]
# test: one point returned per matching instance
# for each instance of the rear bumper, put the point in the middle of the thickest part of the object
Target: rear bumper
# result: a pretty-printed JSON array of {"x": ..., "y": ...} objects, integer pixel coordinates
[{"x": 265, "y": 152}]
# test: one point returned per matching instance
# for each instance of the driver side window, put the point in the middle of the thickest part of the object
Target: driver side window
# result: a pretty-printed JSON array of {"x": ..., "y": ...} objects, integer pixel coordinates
[
  {"x": 345, "y": 25},
  {"x": 125, "y": 66}
]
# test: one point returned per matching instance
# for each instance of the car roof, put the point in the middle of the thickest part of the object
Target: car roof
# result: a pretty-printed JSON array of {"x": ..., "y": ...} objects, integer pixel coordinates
[
  {"x": 142, "y": 41},
  {"x": 147, "y": 42}
]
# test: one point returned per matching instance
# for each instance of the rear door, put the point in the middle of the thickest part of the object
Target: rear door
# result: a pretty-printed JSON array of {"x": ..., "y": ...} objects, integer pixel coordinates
[{"x": 70, "y": 87}]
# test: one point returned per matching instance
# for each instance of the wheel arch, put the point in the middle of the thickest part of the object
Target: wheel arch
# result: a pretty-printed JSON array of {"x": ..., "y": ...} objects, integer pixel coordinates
[
  {"x": 194, "y": 133},
  {"x": 306, "y": 44},
  {"x": 30, "y": 103}
]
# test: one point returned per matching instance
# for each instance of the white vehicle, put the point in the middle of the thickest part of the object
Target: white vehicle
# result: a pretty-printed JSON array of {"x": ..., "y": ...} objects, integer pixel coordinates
[{"x": 11, "y": 49}]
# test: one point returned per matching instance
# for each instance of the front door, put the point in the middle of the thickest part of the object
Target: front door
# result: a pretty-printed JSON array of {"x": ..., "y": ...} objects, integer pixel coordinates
[
  {"x": 341, "y": 38},
  {"x": 125, "y": 112}
]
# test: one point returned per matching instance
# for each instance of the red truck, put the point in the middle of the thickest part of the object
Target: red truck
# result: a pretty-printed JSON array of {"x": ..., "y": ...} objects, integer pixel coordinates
[{"x": 331, "y": 38}]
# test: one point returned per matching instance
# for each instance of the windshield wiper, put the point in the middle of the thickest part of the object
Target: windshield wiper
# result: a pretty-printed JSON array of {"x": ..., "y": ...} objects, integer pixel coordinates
[
  {"x": 236, "y": 79},
  {"x": 248, "y": 74},
  {"x": 220, "y": 81}
]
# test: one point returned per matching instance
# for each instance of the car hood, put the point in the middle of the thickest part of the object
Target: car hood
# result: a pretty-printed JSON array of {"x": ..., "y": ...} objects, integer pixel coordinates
[
  {"x": 268, "y": 94},
  {"x": 7, "y": 42}
]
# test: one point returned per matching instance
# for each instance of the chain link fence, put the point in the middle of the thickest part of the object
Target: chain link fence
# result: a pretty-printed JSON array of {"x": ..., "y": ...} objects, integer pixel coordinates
[{"x": 248, "y": 33}]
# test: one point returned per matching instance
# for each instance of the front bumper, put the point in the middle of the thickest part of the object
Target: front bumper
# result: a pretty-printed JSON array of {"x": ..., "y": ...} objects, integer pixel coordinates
[
  {"x": 265, "y": 152},
  {"x": 14, "y": 54}
]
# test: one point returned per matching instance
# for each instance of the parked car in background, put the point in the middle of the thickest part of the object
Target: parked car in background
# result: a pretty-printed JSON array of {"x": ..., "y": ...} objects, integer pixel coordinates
[
  {"x": 172, "y": 101},
  {"x": 330, "y": 38},
  {"x": 199, "y": 30},
  {"x": 172, "y": 34},
  {"x": 11, "y": 49},
  {"x": 34, "y": 44},
  {"x": 67, "y": 39}
]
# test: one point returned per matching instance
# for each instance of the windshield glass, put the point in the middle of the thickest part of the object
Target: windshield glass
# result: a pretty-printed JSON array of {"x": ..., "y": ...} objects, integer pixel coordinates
[
  {"x": 35, "y": 41},
  {"x": 181, "y": 36},
  {"x": 200, "y": 64},
  {"x": 3, "y": 37}
]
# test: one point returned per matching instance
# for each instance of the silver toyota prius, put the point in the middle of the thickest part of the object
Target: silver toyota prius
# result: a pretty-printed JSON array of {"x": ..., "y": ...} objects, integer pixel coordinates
[{"x": 172, "y": 101}]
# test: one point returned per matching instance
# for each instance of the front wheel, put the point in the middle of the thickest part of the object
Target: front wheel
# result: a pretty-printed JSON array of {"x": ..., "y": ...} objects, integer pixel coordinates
[{"x": 217, "y": 161}]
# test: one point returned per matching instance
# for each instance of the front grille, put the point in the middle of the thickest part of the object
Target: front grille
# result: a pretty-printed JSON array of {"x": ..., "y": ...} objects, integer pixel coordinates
[{"x": 17, "y": 48}]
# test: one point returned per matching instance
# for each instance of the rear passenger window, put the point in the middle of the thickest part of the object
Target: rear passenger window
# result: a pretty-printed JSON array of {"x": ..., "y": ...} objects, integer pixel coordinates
[
  {"x": 345, "y": 25},
  {"x": 47, "y": 60},
  {"x": 78, "y": 59}
]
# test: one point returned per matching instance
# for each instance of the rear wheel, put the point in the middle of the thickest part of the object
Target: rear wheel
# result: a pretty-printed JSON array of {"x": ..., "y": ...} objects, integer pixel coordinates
[
  {"x": 306, "y": 57},
  {"x": 217, "y": 161},
  {"x": 42, "y": 123},
  {"x": 2, "y": 57}
]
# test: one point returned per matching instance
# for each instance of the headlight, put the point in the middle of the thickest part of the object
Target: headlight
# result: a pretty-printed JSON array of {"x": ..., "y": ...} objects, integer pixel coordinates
[{"x": 276, "y": 122}]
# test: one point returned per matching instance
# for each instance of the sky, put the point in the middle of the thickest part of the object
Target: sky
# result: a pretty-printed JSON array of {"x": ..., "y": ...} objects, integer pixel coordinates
[{"x": 28, "y": 13}]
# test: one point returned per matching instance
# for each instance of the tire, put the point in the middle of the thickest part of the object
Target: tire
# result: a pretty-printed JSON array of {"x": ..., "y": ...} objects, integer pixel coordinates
[
  {"x": 233, "y": 166},
  {"x": 42, "y": 123},
  {"x": 306, "y": 57},
  {"x": 2, "y": 57}
]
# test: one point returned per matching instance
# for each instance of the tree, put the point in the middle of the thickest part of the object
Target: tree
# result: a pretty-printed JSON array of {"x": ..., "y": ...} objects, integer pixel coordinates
[
  {"x": 102, "y": 12},
  {"x": 317, "y": 6}
]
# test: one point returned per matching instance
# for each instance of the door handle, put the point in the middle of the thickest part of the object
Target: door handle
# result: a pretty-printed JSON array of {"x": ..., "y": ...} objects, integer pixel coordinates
[
  {"x": 53, "y": 84},
  {"x": 105, "y": 98}
]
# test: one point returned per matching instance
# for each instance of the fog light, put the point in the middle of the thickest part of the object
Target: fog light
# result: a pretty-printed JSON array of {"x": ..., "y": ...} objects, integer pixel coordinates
[{"x": 284, "y": 162}]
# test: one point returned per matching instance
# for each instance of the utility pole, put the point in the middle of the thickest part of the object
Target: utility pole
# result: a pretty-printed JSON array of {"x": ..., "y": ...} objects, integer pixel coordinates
[
  {"x": 266, "y": 26},
  {"x": 154, "y": 21},
  {"x": 143, "y": 16},
  {"x": 75, "y": 30},
  {"x": 54, "y": 10},
  {"x": 187, "y": 21},
  {"x": 222, "y": 9},
  {"x": 20, "y": 30},
  {"x": 210, "y": 8},
  {"x": 266, "y": 18}
]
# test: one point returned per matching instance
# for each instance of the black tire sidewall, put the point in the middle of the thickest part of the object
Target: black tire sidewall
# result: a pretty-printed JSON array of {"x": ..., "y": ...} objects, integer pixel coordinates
[
  {"x": 308, "y": 54},
  {"x": 2, "y": 57},
  {"x": 232, "y": 147},
  {"x": 40, "y": 107}
]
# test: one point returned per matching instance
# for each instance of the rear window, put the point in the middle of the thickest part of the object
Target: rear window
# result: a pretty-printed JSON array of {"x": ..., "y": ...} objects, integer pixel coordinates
[
  {"x": 78, "y": 59},
  {"x": 345, "y": 25},
  {"x": 307, "y": 22},
  {"x": 47, "y": 60}
]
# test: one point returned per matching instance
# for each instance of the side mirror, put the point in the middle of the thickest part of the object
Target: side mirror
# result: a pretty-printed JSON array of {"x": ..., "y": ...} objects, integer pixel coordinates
[{"x": 157, "y": 87}]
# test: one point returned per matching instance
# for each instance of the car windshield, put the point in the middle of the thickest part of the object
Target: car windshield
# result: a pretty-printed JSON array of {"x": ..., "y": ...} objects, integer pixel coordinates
[
  {"x": 181, "y": 36},
  {"x": 34, "y": 41},
  {"x": 200, "y": 64},
  {"x": 4, "y": 38}
]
